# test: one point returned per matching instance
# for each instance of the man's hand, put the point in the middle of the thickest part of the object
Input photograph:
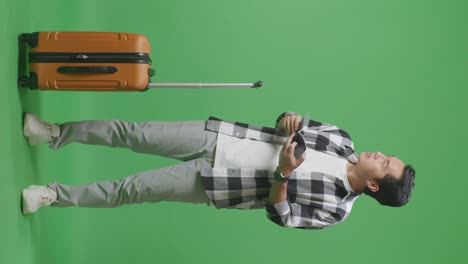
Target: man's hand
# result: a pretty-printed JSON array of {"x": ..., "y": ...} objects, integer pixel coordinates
[
  {"x": 290, "y": 123},
  {"x": 287, "y": 161}
]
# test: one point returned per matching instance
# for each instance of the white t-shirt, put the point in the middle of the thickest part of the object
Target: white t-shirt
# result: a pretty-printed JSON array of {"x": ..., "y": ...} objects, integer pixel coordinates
[{"x": 232, "y": 152}]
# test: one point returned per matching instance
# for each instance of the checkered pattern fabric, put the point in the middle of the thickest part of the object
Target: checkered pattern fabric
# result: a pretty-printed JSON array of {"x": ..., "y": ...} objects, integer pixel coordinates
[{"x": 315, "y": 200}]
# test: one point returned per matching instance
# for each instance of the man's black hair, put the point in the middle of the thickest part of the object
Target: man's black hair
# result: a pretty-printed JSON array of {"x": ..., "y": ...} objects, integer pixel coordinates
[{"x": 393, "y": 192}]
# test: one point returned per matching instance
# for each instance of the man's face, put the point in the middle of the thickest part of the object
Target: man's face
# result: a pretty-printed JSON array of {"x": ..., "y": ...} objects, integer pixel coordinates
[{"x": 373, "y": 166}]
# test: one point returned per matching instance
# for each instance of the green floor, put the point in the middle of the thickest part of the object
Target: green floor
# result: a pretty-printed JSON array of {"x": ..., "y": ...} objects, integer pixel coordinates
[{"x": 392, "y": 73}]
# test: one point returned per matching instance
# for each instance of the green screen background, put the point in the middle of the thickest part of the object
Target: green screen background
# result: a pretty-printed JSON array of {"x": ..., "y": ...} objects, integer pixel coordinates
[{"x": 391, "y": 73}]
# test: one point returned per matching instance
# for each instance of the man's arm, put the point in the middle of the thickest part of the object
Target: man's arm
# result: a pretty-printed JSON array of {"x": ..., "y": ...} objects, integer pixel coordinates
[
  {"x": 280, "y": 210},
  {"x": 278, "y": 192},
  {"x": 287, "y": 164}
]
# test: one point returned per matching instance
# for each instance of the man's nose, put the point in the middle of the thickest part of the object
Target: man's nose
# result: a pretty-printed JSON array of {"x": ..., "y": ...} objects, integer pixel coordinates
[{"x": 379, "y": 155}]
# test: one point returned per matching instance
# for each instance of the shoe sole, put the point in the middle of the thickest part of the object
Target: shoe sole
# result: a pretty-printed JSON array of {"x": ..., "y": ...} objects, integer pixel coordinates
[
  {"x": 25, "y": 210},
  {"x": 26, "y": 129}
]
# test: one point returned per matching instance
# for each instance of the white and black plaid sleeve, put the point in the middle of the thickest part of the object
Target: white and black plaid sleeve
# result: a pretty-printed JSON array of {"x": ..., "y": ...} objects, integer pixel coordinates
[{"x": 287, "y": 214}]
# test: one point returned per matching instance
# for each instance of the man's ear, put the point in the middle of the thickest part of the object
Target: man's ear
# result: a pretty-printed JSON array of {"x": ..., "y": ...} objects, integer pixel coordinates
[{"x": 372, "y": 185}]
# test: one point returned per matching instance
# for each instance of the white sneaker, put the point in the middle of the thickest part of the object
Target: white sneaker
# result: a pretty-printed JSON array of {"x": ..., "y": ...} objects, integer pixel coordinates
[
  {"x": 35, "y": 197},
  {"x": 38, "y": 131}
]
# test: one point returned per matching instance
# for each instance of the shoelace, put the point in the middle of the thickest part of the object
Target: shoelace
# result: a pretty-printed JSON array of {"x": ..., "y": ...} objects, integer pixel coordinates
[
  {"x": 48, "y": 200},
  {"x": 48, "y": 131}
]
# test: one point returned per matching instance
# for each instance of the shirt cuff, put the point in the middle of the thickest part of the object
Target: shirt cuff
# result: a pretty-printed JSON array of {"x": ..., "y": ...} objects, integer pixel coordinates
[{"x": 281, "y": 208}]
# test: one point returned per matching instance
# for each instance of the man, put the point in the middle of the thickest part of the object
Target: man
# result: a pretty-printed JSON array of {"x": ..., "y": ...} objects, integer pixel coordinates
[{"x": 230, "y": 165}]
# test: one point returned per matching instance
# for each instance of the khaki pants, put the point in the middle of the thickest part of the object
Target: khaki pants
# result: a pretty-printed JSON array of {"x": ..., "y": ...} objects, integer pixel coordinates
[{"x": 185, "y": 141}]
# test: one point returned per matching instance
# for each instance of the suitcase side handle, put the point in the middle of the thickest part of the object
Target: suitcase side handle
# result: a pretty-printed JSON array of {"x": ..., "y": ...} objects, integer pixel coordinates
[{"x": 87, "y": 69}]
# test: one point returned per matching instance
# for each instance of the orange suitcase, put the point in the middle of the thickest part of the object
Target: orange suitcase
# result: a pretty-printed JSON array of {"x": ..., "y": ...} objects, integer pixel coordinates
[{"x": 95, "y": 61}]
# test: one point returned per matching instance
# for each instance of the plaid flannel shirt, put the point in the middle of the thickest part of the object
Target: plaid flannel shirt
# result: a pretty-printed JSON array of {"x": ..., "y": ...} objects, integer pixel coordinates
[{"x": 315, "y": 200}]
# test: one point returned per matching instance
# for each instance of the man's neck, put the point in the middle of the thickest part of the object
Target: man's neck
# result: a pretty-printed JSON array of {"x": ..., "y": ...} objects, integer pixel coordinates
[{"x": 356, "y": 183}]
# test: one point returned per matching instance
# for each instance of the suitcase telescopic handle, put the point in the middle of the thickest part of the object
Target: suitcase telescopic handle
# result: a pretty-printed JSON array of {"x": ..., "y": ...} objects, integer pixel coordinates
[
  {"x": 87, "y": 69},
  {"x": 206, "y": 85}
]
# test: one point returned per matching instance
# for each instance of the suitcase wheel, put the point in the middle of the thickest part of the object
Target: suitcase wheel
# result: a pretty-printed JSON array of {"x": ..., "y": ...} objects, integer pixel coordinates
[
  {"x": 31, "y": 39},
  {"x": 30, "y": 81}
]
